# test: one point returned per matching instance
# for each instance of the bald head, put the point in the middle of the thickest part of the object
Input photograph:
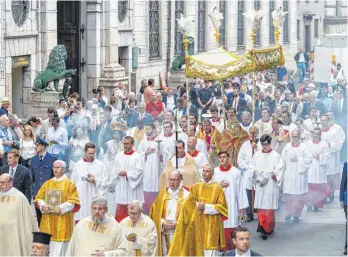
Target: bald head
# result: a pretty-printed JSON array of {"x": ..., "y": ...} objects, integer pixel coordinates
[
  {"x": 174, "y": 179},
  {"x": 192, "y": 143}
]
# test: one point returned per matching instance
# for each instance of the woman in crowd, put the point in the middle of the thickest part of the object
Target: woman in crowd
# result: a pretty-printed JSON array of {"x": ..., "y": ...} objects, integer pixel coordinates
[{"x": 27, "y": 145}]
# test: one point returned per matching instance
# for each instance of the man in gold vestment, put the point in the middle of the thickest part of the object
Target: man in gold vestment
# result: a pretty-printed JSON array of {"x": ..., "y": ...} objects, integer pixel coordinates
[
  {"x": 57, "y": 199},
  {"x": 185, "y": 163},
  {"x": 200, "y": 228},
  {"x": 17, "y": 222},
  {"x": 166, "y": 209},
  {"x": 98, "y": 234}
]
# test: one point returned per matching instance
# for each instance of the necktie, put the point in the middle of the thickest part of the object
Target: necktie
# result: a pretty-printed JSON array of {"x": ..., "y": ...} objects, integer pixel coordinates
[
  {"x": 12, "y": 172},
  {"x": 235, "y": 104},
  {"x": 41, "y": 158}
]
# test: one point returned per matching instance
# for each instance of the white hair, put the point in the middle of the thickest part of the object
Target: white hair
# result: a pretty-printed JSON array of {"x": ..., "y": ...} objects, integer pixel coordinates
[
  {"x": 62, "y": 163},
  {"x": 178, "y": 171},
  {"x": 100, "y": 200},
  {"x": 136, "y": 203}
]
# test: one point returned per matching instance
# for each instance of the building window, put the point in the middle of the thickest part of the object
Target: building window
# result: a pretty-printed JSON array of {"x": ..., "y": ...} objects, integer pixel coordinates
[
  {"x": 179, "y": 9},
  {"x": 154, "y": 30},
  {"x": 286, "y": 22},
  {"x": 20, "y": 11},
  {"x": 222, "y": 29},
  {"x": 298, "y": 29},
  {"x": 257, "y": 6},
  {"x": 271, "y": 27},
  {"x": 240, "y": 24},
  {"x": 316, "y": 28},
  {"x": 201, "y": 25}
]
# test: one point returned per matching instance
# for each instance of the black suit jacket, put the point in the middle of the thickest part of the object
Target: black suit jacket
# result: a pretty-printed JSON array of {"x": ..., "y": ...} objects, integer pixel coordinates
[
  {"x": 21, "y": 181},
  {"x": 233, "y": 253},
  {"x": 340, "y": 115}
]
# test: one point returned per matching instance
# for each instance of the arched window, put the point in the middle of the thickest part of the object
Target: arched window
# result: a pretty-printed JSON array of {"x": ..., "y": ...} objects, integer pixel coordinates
[
  {"x": 154, "y": 32},
  {"x": 201, "y": 25},
  {"x": 179, "y": 9},
  {"x": 222, "y": 29},
  {"x": 240, "y": 24}
]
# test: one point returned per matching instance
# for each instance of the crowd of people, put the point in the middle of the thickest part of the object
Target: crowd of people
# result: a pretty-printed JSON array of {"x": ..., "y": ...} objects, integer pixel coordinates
[{"x": 184, "y": 167}]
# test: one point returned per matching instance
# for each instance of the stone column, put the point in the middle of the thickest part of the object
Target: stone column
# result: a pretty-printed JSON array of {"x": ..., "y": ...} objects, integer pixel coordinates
[
  {"x": 231, "y": 25},
  {"x": 2, "y": 54},
  {"x": 94, "y": 11}
]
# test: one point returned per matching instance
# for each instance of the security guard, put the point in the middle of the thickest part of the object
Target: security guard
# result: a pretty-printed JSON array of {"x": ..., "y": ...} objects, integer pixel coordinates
[{"x": 41, "y": 167}]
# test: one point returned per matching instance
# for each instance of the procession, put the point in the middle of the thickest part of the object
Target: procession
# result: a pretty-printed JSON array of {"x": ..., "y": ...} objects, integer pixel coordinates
[{"x": 203, "y": 169}]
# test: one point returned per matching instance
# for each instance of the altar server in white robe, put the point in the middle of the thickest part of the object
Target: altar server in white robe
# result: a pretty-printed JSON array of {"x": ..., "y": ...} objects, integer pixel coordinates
[
  {"x": 199, "y": 158},
  {"x": 318, "y": 188},
  {"x": 168, "y": 141},
  {"x": 150, "y": 152},
  {"x": 267, "y": 173},
  {"x": 127, "y": 178},
  {"x": 245, "y": 157},
  {"x": 310, "y": 123},
  {"x": 98, "y": 234},
  {"x": 231, "y": 180},
  {"x": 91, "y": 178},
  {"x": 140, "y": 231},
  {"x": 201, "y": 145},
  {"x": 334, "y": 136},
  {"x": 297, "y": 160}
]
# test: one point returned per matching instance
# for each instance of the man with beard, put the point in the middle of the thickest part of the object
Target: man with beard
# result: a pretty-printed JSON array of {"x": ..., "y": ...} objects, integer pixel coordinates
[
  {"x": 310, "y": 123},
  {"x": 98, "y": 234},
  {"x": 246, "y": 121},
  {"x": 297, "y": 160},
  {"x": 41, "y": 244},
  {"x": 91, "y": 178},
  {"x": 150, "y": 151},
  {"x": 140, "y": 231},
  {"x": 334, "y": 136},
  {"x": 185, "y": 163},
  {"x": 58, "y": 201},
  {"x": 317, "y": 178}
]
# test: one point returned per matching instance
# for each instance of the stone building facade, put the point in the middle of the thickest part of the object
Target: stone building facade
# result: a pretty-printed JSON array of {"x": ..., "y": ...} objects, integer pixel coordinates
[{"x": 120, "y": 41}]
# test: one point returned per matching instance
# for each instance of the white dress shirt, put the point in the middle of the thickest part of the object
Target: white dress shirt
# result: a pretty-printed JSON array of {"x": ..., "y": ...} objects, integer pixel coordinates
[{"x": 61, "y": 136}]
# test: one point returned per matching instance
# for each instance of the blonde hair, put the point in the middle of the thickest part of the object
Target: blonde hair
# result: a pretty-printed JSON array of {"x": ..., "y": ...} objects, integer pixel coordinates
[{"x": 33, "y": 136}]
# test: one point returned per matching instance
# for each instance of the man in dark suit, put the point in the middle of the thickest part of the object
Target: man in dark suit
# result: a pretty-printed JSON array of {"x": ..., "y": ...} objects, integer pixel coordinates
[
  {"x": 313, "y": 101},
  {"x": 241, "y": 239},
  {"x": 41, "y": 169},
  {"x": 343, "y": 199},
  {"x": 339, "y": 107},
  {"x": 20, "y": 174},
  {"x": 238, "y": 103}
]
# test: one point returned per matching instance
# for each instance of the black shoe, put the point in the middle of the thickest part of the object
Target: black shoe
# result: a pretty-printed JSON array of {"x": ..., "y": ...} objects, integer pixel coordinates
[
  {"x": 309, "y": 208},
  {"x": 345, "y": 252},
  {"x": 296, "y": 219},
  {"x": 332, "y": 197},
  {"x": 288, "y": 217},
  {"x": 264, "y": 236},
  {"x": 250, "y": 218},
  {"x": 316, "y": 210}
]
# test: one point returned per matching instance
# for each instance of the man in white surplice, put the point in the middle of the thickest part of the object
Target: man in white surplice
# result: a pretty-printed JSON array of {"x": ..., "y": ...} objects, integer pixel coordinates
[
  {"x": 317, "y": 179},
  {"x": 91, "y": 179},
  {"x": 231, "y": 180},
  {"x": 297, "y": 159},
  {"x": 150, "y": 151},
  {"x": 199, "y": 157},
  {"x": 127, "y": 178},
  {"x": 334, "y": 136},
  {"x": 245, "y": 157},
  {"x": 168, "y": 141}
]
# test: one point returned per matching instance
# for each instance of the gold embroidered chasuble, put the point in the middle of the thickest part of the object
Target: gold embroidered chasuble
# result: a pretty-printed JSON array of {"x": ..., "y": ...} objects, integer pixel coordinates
[
  {"x": 55, "y": 192},
  {"x": 212, "y": 138},
  {"x": 196, "y": 232},
  {"x": 145, "y": 230},
  {"x": 17, "y": 224},
  {"x": 189, "y": 170},
  {"x": 159, "y": 210},
  {"x": 89, "y": 237}
]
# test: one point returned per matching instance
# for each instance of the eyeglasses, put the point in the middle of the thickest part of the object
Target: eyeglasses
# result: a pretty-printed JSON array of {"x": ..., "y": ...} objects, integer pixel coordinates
[
  {"x": 264, "y": 143},
  {"x": 3, "y": 182}
]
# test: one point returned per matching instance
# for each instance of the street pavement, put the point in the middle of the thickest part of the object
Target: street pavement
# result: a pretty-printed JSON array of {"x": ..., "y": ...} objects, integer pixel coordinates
[{"x": 317, "y": 234}]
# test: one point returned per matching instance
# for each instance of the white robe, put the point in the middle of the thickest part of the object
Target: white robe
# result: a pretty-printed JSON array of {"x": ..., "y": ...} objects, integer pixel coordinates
[
  {"x": 317, "y": 170},
  {"x": 235, "y": 194},
  {"x": 245, "y": 157},
  {"x": 152, "y": 165},
  {"x": 200, "y": 161},
  {"x": 168, "y": 147},
  {"x": 88, "y": 190},
  {"x": 335, "y": 138},
  {"x": 263, "y": 164},
  {"x": 246, "y": 128},
  {"x": 264, "y": 127},
  {"x": 128, "y": 188},
  {"x": 201, "y": 145},
  {"x": 218, "y": 124},
  {"x": 296, "y": 173}
]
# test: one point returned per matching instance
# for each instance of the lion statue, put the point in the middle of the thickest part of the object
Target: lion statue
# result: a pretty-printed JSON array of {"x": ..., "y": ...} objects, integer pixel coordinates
[
  {"x": 179, "y": 61},
  {"x": 55, "y": 71}
]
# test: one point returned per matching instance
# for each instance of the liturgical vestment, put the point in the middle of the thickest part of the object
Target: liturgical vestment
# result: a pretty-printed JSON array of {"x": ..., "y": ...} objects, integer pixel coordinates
[
  {"x": 17, "y": 224},
  {"x": 89, "y": 237}
]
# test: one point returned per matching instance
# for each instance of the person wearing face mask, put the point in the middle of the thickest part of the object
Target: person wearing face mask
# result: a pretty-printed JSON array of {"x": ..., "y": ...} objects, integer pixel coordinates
[
  {"x": 17, "y": 221},
  {"x": 317, "y": 178},
  {"x": 91, "y": 179},
  {"x": 297, "y": 160},
  {"x": 334, "y": 136},
  {"x": 98, "y": 234},
  {"x": 58, "y": 200}
]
